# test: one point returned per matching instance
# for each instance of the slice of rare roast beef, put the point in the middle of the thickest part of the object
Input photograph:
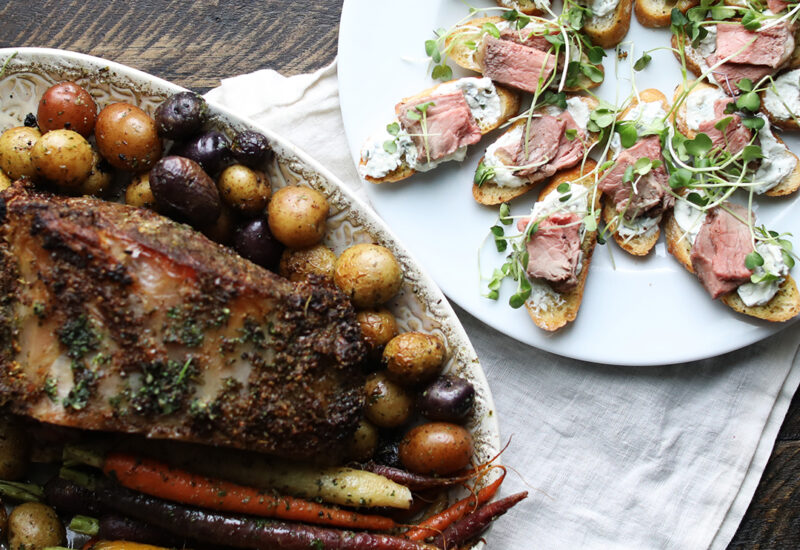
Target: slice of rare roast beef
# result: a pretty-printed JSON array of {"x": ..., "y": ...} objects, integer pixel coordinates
[
  {"x": 719, "y": 251},
  {"x": 736, "y": 135},
  {"x": 554, "y": 251},
  {"x": 649, "y": 196},
  {"x": 510, "y": 63},
  {"x": 449, "y": 124},
  {"x": 549, "y": 149}
]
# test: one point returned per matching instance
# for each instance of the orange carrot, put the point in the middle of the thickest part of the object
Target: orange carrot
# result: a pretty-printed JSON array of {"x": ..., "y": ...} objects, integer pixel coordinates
[
  {"x": 436, "y": 524},
  {"x": 159, "y": 480}
]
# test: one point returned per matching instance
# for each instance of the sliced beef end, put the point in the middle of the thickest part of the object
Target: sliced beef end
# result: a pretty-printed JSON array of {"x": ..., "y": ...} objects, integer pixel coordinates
[
  {"x": 649, "y": 197},
  {"x": 736, "y": 135},
  {"x": 730, "y": 74},
  {"x": 770, "y": 47},
  {"x": 450, "y": 124},
  {"x": 549, "y": 149},
  {"x": 777, "y": 6},
  {"x": 719, "y": 251},
  {"x": 554, "y": 251},
  {"x": 515, "y": 65},
  {"x": 526, "y": 38}
]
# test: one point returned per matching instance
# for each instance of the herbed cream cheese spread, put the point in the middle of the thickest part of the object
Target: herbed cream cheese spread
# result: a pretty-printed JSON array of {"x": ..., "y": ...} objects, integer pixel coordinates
[
  {"x": 786, "y": 93},
  {"x": 648, "y": 117},
  {"x": 758, "y": 294},
  {"x": 700, "y": 106},
  {"x": 689, "y": 218},
  {"x": 503, "y": 173},
  {"x": 778, "y": 163},
  {"x": 481, "y": 95},
  {"x": 601, "y": 8}
]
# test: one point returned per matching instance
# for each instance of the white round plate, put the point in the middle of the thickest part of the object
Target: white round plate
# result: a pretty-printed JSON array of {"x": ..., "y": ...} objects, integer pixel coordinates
[{"x": 646, "y": 311}]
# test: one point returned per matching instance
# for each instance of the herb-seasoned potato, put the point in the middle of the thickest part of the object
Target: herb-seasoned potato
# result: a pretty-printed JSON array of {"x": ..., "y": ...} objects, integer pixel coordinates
[
  {"x": 413, "y": 357},
  {"x": 33, "y": 526},
  {"x": 296, "y": 265},
  {"x": 244, "y": 189},
  {"x": 15, "y": 152},
  {"x": 369, "y": 274},
  {"x": 388, "y": 405},
  {"x": 63, "y": 157},
  {"x": 297, "y": 216}
]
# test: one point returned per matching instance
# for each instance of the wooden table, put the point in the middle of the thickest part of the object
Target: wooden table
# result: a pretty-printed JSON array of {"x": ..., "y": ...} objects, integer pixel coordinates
[{"x": 194, "y": 44}]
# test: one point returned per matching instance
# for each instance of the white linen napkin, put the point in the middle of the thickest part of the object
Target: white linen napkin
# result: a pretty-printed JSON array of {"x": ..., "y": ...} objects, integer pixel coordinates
[{"x": 613, "y": 457}]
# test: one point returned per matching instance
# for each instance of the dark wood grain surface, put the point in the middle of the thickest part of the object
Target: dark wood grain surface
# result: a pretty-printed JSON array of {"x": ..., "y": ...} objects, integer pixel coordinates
[{"x": 195, "y": 44}]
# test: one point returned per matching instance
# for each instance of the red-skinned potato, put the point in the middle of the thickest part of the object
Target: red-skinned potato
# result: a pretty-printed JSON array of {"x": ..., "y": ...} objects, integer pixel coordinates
[
  {"x": 437, "y": 448},
  {"x": 127, "y": 137},
  {"x": 67, "y": 106}
]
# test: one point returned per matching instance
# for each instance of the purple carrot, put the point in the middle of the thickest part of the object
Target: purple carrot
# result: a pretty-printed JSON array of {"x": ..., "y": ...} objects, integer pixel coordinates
[
  {"x": 477, "y": 522},
  {"x": 415, "y": 482},
  {"x": 241, "y": 532}
]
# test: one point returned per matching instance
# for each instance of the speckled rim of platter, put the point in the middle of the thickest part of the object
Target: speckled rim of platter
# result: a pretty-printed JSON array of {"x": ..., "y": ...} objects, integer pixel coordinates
[{"x": 420, "y": 305}]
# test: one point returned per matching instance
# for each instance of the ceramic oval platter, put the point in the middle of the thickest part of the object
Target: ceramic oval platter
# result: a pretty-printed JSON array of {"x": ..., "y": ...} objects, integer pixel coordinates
[{"x": 420, "y": 305}]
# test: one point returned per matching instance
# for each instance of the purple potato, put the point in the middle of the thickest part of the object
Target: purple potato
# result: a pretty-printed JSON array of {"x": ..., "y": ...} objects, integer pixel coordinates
[
  {"x": 211, "y": 150},
  {"x": 447, "y": 399},
  {"x": 251, "y": 149},
  {"x": 182, "y": 189},
  {"x": 255, "y": 242},
  {"x": 181, "y": 115}
]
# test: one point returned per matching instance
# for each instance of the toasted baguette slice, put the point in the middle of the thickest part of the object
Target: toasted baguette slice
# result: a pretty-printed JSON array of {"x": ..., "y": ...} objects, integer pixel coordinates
[
  {"x": 656, "y": 13},
  {"x": 490, "y": 194},
  {"x": 509, "y": 105},
  {"x": 471, "y": 31},
  {"x": 528, "y": 7},
  {"x": 609, "y": 30},
  {"x": 788, "y": 186},
  {"x": 558, "y": 316},
  {"x": 694, "y": 61},
  {"x": 641, "y": 245},
  {"x": 784, "y": 305}
]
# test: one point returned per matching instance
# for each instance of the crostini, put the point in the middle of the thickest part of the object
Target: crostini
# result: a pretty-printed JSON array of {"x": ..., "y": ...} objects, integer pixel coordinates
[
  {"x": 557, "y": 139},
  {"x": 609, "y": 23},
  {"x": 435, "y": 126},
  {"x": 560, "y": 249},
  {"x": 657, "y": 13},
  {"x": 520, "y": 58},
  {"x": 701, "y": 110},
  {"x": 781, "y": 100},
  {"x": 715, "y": 245},
  {"x": 634, "y": 205},
  {"x": 751, "y": 55}
]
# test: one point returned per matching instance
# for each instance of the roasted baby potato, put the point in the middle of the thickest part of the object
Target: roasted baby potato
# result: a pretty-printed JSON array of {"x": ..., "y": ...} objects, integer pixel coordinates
[
  {"x": 127, "y": 138},
  {"x": 15, "y": 152},
  {"x": 369, "y": 274},
  {"x": 63, "y": 157},
  {"x": 413, "y": 357},
  {"x": 296, "y": 265},
  {"x": 297, "y": 216}
]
